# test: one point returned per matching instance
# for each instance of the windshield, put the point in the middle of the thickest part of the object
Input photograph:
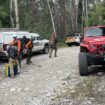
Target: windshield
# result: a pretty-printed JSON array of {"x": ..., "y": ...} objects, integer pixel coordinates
[
  {"x": 95, "y": 31},
  {"x": 74, "y": 35}
]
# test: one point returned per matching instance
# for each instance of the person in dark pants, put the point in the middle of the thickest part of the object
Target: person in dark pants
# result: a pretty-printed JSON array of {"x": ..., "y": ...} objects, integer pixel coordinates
[
  {"x": 29, "y": 47},
  {"x": 53, "y": 44},
  {"x": 23, "y": 49}
]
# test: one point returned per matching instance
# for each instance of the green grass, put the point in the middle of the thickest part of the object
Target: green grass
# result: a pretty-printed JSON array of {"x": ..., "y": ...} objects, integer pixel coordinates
[{"x": 62, "y": 44}]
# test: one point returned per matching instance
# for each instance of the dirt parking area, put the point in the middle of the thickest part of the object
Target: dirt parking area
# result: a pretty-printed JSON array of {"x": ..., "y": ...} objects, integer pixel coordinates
[{"x": 53, "y": 81}]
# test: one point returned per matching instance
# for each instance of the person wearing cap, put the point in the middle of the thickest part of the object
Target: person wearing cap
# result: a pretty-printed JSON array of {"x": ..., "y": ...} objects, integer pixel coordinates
[
  {"x": 14, "y": 52},
  {"x": 16, "y": 42}
]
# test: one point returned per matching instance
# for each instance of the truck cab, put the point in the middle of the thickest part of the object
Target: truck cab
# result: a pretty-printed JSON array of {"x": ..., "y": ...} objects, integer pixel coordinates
[{"x": 39, "y": 43}]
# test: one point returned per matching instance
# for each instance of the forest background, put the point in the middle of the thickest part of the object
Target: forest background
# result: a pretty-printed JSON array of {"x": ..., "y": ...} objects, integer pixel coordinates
[{"x": 35, "y": 15}]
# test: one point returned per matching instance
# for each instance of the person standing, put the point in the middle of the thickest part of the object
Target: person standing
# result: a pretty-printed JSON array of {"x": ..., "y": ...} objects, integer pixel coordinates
[
  {"x": 16, "y": 43},
  {"x": 53, "y": 44},
  {"x": 23, "y": 49},
  {"x": 13, "y": 52},
  {"x": 29, "y": 47}
]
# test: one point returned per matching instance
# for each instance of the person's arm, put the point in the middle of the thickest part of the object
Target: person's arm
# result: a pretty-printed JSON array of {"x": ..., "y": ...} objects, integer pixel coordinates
[
  {"x": 28, "y": 44},
  {"x": 19, "y": 46}
]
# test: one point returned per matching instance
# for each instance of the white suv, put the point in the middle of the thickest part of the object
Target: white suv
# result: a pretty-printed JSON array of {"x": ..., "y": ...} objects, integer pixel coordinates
[{"x": 39, "y": 43}]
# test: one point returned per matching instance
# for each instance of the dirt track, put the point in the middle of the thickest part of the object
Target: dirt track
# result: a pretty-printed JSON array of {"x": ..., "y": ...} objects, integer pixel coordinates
[{"x": 53, "y": 81}]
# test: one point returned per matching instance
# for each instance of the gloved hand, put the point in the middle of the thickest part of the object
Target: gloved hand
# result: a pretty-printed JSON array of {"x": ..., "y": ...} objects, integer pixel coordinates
[{"x": 24, "y": 51}]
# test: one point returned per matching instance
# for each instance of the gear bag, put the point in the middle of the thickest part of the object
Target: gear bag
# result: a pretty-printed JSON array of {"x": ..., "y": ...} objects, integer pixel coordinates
[
  {"x": 13, "y": 52},
  {"x": 7, "y": 70}
]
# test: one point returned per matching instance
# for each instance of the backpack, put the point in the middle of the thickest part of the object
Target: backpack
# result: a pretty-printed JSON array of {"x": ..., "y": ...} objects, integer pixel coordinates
[{"x": 13, "y": 52}]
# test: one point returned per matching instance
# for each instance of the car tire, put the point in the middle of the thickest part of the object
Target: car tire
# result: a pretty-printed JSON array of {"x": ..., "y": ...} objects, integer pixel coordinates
[
  {"x": 83, "y": 49},
  {"x": 46, "y": 50},
  {"x": 78, "y": 44},
  {"x": 6, "y": 60},
  {"x": 69, "y": 44},
  {"x": 83, "y": 64}
]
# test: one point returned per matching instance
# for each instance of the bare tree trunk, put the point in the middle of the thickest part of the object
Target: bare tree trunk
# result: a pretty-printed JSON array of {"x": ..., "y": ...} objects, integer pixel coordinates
[
  {"x": 11, "y": 10},
  {"x": 73, "y": 16},
  {"x": 76, "y": 14},
  {"x": 83, "y": 15},
  {"x": 51, "y": 16},
  {"x": 86, "y": 11},
  {"x": 16, "y": 13}
]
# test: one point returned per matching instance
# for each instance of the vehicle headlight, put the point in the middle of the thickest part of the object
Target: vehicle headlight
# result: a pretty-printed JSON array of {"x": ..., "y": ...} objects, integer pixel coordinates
[{"x": 92, "y": 46}]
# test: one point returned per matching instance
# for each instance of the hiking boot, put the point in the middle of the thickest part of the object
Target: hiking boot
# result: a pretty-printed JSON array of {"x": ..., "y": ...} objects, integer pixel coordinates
[{"x": 55, "y": 55}]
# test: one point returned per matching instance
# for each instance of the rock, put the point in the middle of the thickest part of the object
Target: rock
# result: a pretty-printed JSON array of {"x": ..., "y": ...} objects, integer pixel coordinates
[
  {"x": 12, "y": 89},
  {"x": 89, "y": 102},
  {"x": 26, "y": 89},
  {"x": 18, "y": 89}
]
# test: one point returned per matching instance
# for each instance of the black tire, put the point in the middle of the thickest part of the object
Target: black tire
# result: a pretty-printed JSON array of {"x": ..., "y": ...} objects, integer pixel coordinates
[
  {"x": 69, "y": 44},
  {"x": 83, "y": 64},
  {"x": 83, "y": 49},
  {"x": 78, "y": 44},
  {"x": 5, "y": 59},
  {"x": 46, "y": 50}
]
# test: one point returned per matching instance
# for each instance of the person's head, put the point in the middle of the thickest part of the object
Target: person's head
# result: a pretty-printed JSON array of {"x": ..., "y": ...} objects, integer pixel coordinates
[
  {"x": 54, "y": 35},
  {"x": 14, "y": 37},
  {"x": 24, "y": 37}
]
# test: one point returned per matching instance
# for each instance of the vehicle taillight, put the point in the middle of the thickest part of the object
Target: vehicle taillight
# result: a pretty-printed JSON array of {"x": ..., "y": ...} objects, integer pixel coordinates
[{"x": 4, "y": 47}]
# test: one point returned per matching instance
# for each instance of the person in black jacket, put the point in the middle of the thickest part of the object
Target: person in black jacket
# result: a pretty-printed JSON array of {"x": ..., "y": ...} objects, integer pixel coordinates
[{"x": 23, "y": 49}]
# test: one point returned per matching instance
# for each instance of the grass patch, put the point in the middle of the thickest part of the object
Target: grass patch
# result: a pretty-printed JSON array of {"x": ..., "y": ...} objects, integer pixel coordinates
[{"x": 62, "y": 44}]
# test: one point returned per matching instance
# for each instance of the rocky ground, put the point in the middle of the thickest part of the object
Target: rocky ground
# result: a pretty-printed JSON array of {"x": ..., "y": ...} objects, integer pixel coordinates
[{"x": 53, "y": 81}]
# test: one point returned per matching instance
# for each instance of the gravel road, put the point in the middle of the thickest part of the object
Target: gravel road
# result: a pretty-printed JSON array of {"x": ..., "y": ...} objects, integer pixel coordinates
[{"x": 53, "y": 81}]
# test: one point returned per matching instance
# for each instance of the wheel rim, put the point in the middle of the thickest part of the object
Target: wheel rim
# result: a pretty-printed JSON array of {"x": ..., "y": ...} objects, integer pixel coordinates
[{"x": 46, "y": 50}]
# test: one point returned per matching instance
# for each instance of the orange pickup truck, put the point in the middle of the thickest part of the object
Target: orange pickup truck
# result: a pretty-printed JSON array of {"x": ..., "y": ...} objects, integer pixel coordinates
[{"x": 73, "y": 39}]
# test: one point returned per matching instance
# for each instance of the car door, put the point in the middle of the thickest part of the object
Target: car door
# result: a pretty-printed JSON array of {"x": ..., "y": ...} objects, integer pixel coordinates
[
  {"x": 40, "y": 43},
  {"x": 35, "y": 44}
]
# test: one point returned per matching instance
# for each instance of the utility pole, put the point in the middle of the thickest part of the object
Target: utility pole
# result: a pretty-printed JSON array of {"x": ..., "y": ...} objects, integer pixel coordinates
[{"x": 51, "y": 15}]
